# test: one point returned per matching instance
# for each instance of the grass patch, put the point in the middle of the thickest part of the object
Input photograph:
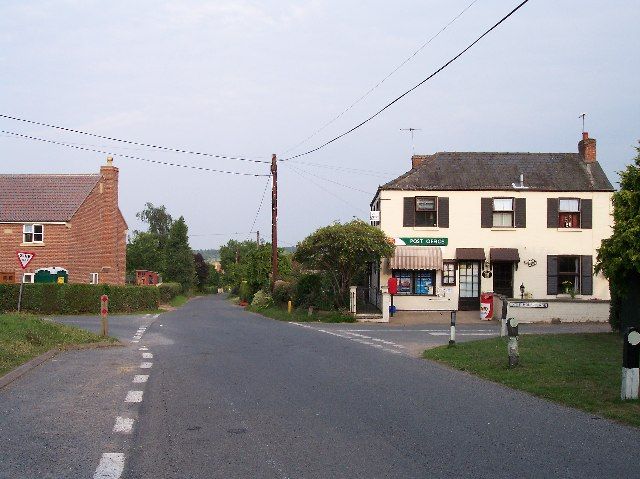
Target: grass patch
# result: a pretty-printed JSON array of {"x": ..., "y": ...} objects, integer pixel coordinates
[
  {"x": 577, "y": 370},
  {"x": 179, "y": 301},
  {"x": 301, "y": 316},
  {"x": 23, "y": 337}
]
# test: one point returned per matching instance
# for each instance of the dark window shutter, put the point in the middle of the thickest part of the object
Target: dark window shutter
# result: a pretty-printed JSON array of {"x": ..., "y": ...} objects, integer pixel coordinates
[
  {"x": 586, "y": 273},
  {"x": 443, "y": 212},
  {"x": 586, "y": 214},
  {"x": 486, "y": 212},
  {"x": 552, "y": 274},
  {"x": 552, "y": 212},
  {"x": 521, "y": 213},
  {"x": 409, "y": 216}
]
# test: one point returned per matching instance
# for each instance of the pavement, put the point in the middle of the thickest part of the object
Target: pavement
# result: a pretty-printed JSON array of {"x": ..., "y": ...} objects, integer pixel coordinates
[{"x": 231, "y": 394}]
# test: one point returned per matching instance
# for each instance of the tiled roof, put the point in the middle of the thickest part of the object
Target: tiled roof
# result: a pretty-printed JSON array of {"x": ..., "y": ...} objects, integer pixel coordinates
[
  {"x": 498, "y": 171},
  {"x": 43, "y": 197}
]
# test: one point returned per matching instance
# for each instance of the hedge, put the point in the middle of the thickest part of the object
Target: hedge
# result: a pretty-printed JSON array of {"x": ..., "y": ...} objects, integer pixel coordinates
[
  {"x": 168, "y": 291},
  {"x": 51, "y": 298}
]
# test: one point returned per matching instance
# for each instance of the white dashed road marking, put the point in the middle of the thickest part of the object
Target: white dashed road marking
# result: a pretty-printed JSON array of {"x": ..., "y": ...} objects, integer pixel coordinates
[
  {"x": 133, "y": 396},
  {"x": 110, "y": 467},
  {"x": 147, "y": 355},
  {"x": 143, "y": 348},
  {"x": 140, "y": 378},
  {"x": 146, "y": 365},
  {"x": 123, "y": 424}
]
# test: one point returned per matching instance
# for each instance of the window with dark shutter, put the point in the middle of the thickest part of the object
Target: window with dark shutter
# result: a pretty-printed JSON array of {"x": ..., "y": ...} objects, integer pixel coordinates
[
  {"x": 409, "y": 215},
  {"x": 552, "y": 274},
  {"x": 586, "y": 211},
  {"x": 443, "y": 212},
  {"x": 552, "y": 212},
  {"x": 521, "y": 213},
  {"x": 486, "y": 212},
  {"x": 586, "y": 273}
]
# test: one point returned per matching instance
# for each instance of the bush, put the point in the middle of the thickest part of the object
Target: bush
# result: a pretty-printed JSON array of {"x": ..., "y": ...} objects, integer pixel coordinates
[
  {"x": 313, "y": 290},
  {"x": 168, "y": 291},
  {"x": 51, "y": 298},
  {"x": 261, "y": 300},
  {"x": 245, "y": 293},
  {"x": 282, "y": 291}
]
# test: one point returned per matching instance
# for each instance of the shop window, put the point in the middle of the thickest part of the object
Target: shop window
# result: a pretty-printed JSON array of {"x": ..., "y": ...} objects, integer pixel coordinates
[
  {"x": 503, "y": 212},
  {"x": 416, "y": 282},
  {"x": 426, "y": 211},
  {"x": 568, "y": 274},
  {"x": 32, "y": 234},
  {"x": 569, "y": 213},
  {"x": 448, "y": 274}
]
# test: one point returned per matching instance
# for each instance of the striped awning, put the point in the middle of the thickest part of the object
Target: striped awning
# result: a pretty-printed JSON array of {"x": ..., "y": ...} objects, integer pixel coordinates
[{"x": 416, "y": 257}]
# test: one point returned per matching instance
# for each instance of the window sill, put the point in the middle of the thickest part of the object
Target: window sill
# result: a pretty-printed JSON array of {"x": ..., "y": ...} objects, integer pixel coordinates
[
  {"x": 32, "y": 245},
  {"x": 569, "y": 230},
  {"x": 426, "y": 228},
  {"x": 505, "y": 228}
]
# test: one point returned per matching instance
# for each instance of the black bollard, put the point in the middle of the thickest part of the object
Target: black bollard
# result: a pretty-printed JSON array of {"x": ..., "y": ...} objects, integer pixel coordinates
[
  {"x": 630, "y": 363},
  {"x": 452, "y": 338},
  {"x": 512, "y": 346}
]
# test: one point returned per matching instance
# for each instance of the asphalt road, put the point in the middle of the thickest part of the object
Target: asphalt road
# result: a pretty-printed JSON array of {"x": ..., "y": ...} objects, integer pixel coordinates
[{"x": 231, "y": 394}]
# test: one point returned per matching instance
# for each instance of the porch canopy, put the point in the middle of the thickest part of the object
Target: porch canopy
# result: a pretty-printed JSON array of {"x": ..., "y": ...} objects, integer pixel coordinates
[
  {"x": 416, "y": 257},
  {"x": 504, "y": 254},
  {"x": 470, "y": 254}
]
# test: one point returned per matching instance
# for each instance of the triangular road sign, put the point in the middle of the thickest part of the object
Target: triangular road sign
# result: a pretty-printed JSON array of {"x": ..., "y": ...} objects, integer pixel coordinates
[{"x": 24, "y": 257}]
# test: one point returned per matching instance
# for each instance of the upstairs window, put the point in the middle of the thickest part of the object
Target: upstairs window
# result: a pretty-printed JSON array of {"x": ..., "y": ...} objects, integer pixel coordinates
[
  {"x": 569, "y": 213},
  {"x": 32, "y": 234},
  {"x": 503, "y": 212},
  {"x": 426, "y": 211}
]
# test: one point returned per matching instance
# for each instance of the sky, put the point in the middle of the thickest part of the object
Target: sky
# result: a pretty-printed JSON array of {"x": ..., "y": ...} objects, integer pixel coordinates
[{"x": 250, "y": 79}]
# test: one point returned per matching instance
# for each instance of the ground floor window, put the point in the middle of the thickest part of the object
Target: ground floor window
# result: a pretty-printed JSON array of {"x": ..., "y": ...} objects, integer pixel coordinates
[
  {"x": 568, "y": 274},
  {"x": 28, "y": 278},
  {"x": 416, "y": 282},
  {"x": 95, "y": 279}
]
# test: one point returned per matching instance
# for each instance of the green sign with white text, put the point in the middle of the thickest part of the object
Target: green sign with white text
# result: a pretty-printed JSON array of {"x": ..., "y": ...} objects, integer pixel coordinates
[{"x": 422, "y": 241}]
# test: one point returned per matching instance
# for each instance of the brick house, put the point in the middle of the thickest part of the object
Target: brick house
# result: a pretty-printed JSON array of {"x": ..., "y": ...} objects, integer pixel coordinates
[{"x": 72, "y": 223}]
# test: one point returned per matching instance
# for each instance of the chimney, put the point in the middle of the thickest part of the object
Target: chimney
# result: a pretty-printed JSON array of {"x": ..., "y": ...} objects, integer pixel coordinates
[
  {"x": 109, "y": 240},
  {"x": 587, "y": 148},
  {"x": 417, "y": 160}
]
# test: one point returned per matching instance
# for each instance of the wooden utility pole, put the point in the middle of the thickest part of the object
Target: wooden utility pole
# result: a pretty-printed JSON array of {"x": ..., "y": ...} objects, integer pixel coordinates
[
  {"x": 258, "y": 237},
  {"x": 274, "y": 220}
]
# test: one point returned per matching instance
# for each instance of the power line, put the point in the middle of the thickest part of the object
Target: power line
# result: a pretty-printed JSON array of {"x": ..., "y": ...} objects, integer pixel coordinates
[
  {"x": 313, "y": 150},
  {"x": 334, "y": 182},
  {"x": 130, "y": 142},
  {"x": 223, "y": 234},
  {"x": 260, "y": 206},
  {"x": 404, "y": 62},
  {"x": 379, "y": 174},
  {"x": 104, "y": 152}
]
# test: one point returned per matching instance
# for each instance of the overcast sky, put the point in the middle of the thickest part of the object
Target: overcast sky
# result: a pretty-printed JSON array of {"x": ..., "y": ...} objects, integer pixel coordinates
[{"x": 247, "y": 78}]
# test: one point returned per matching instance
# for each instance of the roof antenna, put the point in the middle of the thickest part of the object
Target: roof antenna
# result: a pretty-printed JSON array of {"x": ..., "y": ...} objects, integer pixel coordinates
[
  {"x": 582, "y": 115},
  {"x": 413, "y": 146}
]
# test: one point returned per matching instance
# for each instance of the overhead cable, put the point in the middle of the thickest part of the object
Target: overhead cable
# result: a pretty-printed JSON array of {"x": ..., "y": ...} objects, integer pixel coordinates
[{"x": 388, "y": 105}]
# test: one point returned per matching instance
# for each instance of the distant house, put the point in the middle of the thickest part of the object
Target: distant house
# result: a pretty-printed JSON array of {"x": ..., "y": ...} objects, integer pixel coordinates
[
  {"x": 71, "y": 222},
  {"x": 144, "y": 277},
  {"x": 519, "y": 224}
]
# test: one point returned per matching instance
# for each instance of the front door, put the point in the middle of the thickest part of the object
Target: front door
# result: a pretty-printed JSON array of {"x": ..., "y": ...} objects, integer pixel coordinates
[
  {"x": 503, "y": 278},
  {"x": 469, "y": 286}
]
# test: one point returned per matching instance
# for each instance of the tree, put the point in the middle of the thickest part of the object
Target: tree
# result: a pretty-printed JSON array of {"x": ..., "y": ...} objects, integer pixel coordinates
[
  {"x": 143, "y": 252},
  {"x": 180, "y": 266},
  {"x": 619, "y": 255},
  {"x": 343, "y": 251},
  {"x": 158, "y": 219},
  {"x": 202, "y": 271}
]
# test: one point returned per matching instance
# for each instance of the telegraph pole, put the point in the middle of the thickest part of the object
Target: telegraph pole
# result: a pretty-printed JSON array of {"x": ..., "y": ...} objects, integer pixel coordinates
[
  {"x": 258, "y": 237},
  {"x": 274, "y": 220}
]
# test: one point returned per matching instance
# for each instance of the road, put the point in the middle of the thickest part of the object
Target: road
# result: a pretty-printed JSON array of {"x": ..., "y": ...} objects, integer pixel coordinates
[{"x": 231, "y": 394}]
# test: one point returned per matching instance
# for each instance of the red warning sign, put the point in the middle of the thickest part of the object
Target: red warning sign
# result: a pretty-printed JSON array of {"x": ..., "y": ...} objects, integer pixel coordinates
[{"x": 24, "y": 257}]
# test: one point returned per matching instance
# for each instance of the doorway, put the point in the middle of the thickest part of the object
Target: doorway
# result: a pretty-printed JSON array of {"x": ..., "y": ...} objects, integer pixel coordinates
[
  {"x": 469, "y": 286},
  {"x": 503, "y": 278}
]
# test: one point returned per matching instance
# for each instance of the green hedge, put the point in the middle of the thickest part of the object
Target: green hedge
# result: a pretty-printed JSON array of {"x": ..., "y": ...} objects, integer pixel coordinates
[
  {"x": 51, "y": 298},
  {"x": 168, "y": 291}
]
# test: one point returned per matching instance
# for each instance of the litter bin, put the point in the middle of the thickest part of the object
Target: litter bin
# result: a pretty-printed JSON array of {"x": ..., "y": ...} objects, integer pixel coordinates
[{"x": 486, "y": 306}]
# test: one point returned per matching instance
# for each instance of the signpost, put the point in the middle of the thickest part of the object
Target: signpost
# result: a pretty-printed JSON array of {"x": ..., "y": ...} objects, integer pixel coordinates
[
  {"x": 104, "y": 311},
  {"x": 24, "y": 258}
]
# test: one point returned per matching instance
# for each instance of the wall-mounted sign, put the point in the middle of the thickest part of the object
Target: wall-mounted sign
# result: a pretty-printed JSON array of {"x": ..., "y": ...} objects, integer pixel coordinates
[
  {"x": 524, "y": 304},
  {"x": 374, "y": 215},
  {"x": 421, "y": 241},
  {"x": 487, "y": 274},
  {"x": 531, "y": 263}
]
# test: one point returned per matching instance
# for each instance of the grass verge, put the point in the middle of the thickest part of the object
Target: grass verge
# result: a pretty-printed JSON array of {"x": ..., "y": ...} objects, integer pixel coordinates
[
  {"x": 577, "y": 370},
  {"x": 23, "y": 337},
  {"x": 301, "y": 316},
  {"x": 178, "y": 301}
]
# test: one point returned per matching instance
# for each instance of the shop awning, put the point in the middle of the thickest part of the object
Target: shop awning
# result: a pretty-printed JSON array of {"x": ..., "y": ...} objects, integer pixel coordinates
[
  {"x": 470, "y": 254},
  {"x": 504, "y": 254},
  {"x": 416, "y": 257}
]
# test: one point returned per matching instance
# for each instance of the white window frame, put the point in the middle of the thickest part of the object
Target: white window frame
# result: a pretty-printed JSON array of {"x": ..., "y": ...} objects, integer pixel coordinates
[
  {"x": 94, "y": 278},
  {"x": 31, "y": 276},
  {"x": 30, "y": 229},
  {"x": 501, "y": 211},
  {"x": 423, "y": 209}
]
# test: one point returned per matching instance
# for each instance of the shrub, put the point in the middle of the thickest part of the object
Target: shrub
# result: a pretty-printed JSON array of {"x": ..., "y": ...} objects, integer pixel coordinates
[
  {"x": 49, "y": 298},
  {"x": 261, "y": 300},
  {"x": 245, "y": 293},
  {"x": 313, "y": 290},
  {"x": 282, "y": 291},
  {"x": 168, "y": 291}
]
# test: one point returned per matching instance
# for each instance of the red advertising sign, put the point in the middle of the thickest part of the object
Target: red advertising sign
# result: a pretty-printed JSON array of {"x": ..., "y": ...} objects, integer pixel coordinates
[
  {"x": 392, "y": 284},
  {"x": 24, "y": 257}
]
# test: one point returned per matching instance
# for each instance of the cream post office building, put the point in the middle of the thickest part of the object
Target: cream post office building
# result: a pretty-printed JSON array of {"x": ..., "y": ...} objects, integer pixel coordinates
[{"x": 519, "y": 224}]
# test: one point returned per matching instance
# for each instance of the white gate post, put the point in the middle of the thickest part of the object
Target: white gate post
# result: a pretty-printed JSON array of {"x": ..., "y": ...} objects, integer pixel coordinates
[{"x": 352, "y": 299}]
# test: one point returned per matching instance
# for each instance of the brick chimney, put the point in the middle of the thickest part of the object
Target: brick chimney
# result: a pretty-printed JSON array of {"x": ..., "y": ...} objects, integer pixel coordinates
[
  {"x": 587, "y": 148},
  {"x": 417, "y": 160},
  {"x": 109, "y": 221}
]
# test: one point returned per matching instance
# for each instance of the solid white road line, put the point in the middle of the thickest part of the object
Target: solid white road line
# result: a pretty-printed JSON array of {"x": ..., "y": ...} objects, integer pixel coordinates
[
  {"x": 146, "y": 365},
  {"x": 135, "y": 341},
  {"x": 111, "y": 466},
  {"x": 147, "y": 356},
  {"x": 143, "y": 348},
  {"x": 123, "y": 424},
  {"x": 133, "y": 396},
  {"x": 140, "y": 378}
]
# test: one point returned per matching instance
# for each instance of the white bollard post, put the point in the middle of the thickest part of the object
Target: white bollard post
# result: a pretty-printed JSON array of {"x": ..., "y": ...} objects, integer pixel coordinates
[
  {"x": 452, "y": 337},
  {"x": 630, "y": 363},
  {"x": 386, "y": 304},
  {"x": 512, "y": 347},
  {"x": 353, "y": 299}
]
